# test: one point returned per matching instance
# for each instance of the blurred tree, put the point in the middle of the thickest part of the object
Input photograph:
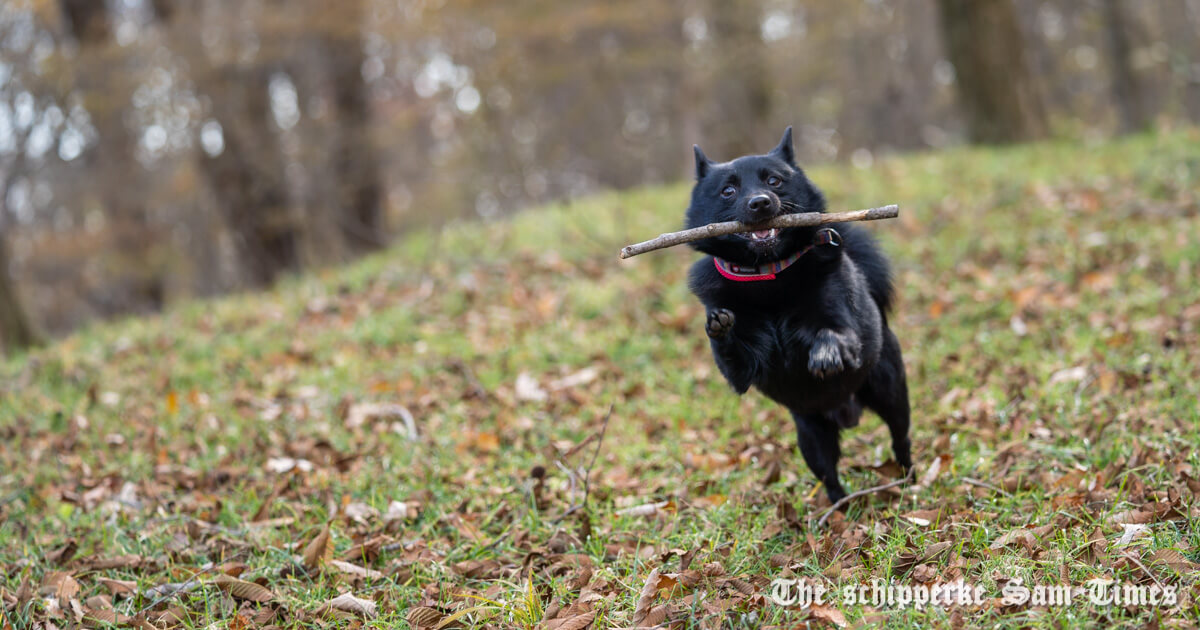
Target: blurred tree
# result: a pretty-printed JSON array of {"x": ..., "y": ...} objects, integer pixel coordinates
[
  {"x": 15, "y": 331},
  {"x": 998, "y": 93},
  {"x": 739, "y": 85},
  {"x": 247, "y": 175},
  {"x": 246, "y": 170},
  {"x": 1129, "y": 92},
  {"x": 355, "y": 155},
  {"x": 118, "y": 179},
  {"x": 1180, "y": 20}
]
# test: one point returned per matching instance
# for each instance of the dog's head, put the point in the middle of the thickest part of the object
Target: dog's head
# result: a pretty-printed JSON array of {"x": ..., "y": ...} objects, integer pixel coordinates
[{"x": 753, "y": 189}]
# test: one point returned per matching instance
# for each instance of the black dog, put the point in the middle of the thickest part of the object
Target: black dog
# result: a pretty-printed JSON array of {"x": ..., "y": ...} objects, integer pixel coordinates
[{"x": 799, "y": 313}]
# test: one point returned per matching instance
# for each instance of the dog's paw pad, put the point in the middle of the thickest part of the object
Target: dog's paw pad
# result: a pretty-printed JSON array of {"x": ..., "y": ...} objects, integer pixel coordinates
[
  {"x": 720, "y": 322},
  {"x": 825, "y": 360}
]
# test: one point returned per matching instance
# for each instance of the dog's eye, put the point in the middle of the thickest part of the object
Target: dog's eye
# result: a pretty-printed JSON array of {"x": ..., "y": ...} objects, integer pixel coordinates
[
  {"x": 728, "y": 191},
  {"x": 774, "y": 182}
]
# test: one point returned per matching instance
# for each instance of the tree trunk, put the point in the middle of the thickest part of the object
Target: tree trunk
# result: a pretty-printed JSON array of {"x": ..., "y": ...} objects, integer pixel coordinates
[
  {"x": 999, "y": 95},
  {"x": 355, "y": 154},
  {"x": 247, "y": 177},
  {"x": 15, "y": 331},
  {"x": 1128, "y": 89},
  {"x": 740, "y": 87},
  {"x": 118, "y": 180},
  {"x": 1181, "y": 21}
]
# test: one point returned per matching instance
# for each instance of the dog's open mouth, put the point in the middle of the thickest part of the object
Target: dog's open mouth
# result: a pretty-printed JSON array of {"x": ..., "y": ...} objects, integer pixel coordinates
[{"x": 760, "y": 235}]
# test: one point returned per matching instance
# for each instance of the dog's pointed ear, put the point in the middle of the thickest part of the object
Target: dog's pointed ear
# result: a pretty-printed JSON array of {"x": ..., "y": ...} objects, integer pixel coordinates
[
  {"x": 784, "y": 150},
  {"x": 702, "y": 162}
]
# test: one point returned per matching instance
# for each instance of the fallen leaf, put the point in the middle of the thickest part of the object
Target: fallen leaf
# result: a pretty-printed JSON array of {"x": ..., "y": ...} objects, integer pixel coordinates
[
  {"x": 119, "y": 587},
  {"x": 827, "y": 614},
  {"x": 347, "y": 602},
  {"x": 242, "y": 589},
  {"x": 935, "y": 467},
  {"x": 1020, "y": 536},
  {"x": 1172, "y": 558},
  {"x": 60, "y": 585},
  {"x": 396, "y": 511},
  {"x": 528, "y": 389},
  {"x": 318, "y": 550},
  {"x": 354, "y": 570},
  {"x": 648, "y": 509},
  {"x": 1069, "y": 375},
  {"x": 281, "y": 465},
  {"x": 1131, "y": 517},
  {"x": 578, "y": 622},
  {"x": 646, "y": 599},
  {"x": 1132, "y": 532},
  {"x": 582, "y": 377},
  {"x": 424, "y": 617}
]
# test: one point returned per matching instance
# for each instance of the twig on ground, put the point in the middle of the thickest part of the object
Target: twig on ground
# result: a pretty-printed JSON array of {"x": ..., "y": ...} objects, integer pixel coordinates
[
  {"x": 1134, "y": 559},
  {"x": 183, "y": 587},
  {"x": 477, "y": 388},
  {"x": 670, "y": 239},
  {"x": 586, "y": 472},
  {"x": 854, "y": 495}
]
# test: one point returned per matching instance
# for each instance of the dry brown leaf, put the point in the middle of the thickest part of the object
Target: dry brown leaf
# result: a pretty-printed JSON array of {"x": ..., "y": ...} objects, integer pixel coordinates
[
  {"x": 318, "y": 550},
  {"x": 119, "y": 587},
  {"x": 477, "y": 569},
  {"x": 646, "y": 599},
  {"x": 940, "y": 463},
  {"x": 1020, "y": 536},
  {"x": 59, "y": 584},
  {"x": 242, "y": 589},
  {"x": 1132, "y": 517},
  {"x": 424, "y": 617},
  {"x": 924, "y": 573},
  {"x": 1173, "y": 559},
  {"x": 1096, "y": 547},
  {"x": 710, "y": 501},
  {"x": 93, "y": 616},
  {"x": 353, "y": 569},
  {"x": 648, "y": 509},
  {"x": 923, "y": 518},
  {"x": 578, "y": 622},
  {"x": 347, "y": 602},
  {"x": 906, "y": 561},
  {"x": 827, "y": 614},
  {"x": 63, "y": 554}
]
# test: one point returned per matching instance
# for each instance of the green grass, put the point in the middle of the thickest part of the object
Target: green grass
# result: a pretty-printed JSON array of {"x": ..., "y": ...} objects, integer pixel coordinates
[{"x": 1050, "y": 317}]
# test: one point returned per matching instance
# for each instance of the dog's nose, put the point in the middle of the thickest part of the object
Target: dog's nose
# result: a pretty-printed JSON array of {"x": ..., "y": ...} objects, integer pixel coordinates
[{"x": 759, "y": 204}]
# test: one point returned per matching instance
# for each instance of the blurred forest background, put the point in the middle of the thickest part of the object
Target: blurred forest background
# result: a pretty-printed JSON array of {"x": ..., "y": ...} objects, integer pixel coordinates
[{"x": 152, "y": 150}]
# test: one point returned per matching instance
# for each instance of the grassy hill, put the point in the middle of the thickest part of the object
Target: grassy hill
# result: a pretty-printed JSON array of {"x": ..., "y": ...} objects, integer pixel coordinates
[{"x": 439, "y": 407}]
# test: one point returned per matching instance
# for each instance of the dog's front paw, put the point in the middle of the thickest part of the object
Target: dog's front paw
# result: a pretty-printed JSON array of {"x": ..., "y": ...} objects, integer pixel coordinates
[
  {"x": 720, "y": 322},
  {"x": 831, "y": 354}
]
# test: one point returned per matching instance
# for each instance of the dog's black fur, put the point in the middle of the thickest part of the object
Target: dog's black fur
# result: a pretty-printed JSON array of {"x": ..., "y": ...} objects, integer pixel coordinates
[{"x": 816, "y": 338}]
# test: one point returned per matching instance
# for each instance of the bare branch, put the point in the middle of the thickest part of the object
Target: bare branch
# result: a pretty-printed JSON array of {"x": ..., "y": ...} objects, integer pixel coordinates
[
  {"x": 670, "y": 239},
  {"x": 854, "y": 495}
]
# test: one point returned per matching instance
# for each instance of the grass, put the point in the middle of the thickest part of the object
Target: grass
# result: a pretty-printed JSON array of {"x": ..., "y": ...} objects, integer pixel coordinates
[{"x": 1048, "y": 313}]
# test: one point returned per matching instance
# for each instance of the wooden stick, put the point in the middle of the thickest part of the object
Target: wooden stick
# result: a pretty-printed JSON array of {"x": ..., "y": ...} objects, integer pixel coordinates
[
  {"x": 670, "y": 239},
  {"x": 854, "y": 495}
]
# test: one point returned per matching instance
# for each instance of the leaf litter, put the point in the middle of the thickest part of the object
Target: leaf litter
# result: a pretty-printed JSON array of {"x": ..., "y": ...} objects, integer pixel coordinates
[{"x": 428, "y": 454}]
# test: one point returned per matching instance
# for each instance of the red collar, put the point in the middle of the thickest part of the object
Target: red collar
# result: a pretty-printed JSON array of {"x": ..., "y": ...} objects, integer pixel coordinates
[{"x": 768, "y": 271}]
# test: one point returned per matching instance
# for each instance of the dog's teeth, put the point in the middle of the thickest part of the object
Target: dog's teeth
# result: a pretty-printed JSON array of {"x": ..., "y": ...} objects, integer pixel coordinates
[{"x": 760, "y": 235}]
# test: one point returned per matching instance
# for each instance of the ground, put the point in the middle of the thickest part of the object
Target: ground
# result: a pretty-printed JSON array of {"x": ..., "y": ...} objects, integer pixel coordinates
[{"x": 505, "y": 420}]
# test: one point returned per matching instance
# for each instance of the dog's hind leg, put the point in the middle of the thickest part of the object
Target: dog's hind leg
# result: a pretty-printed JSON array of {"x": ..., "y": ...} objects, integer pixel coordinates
[
  {"x": 818, "y": 437},
  {"x": 886, "y": 393}
]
